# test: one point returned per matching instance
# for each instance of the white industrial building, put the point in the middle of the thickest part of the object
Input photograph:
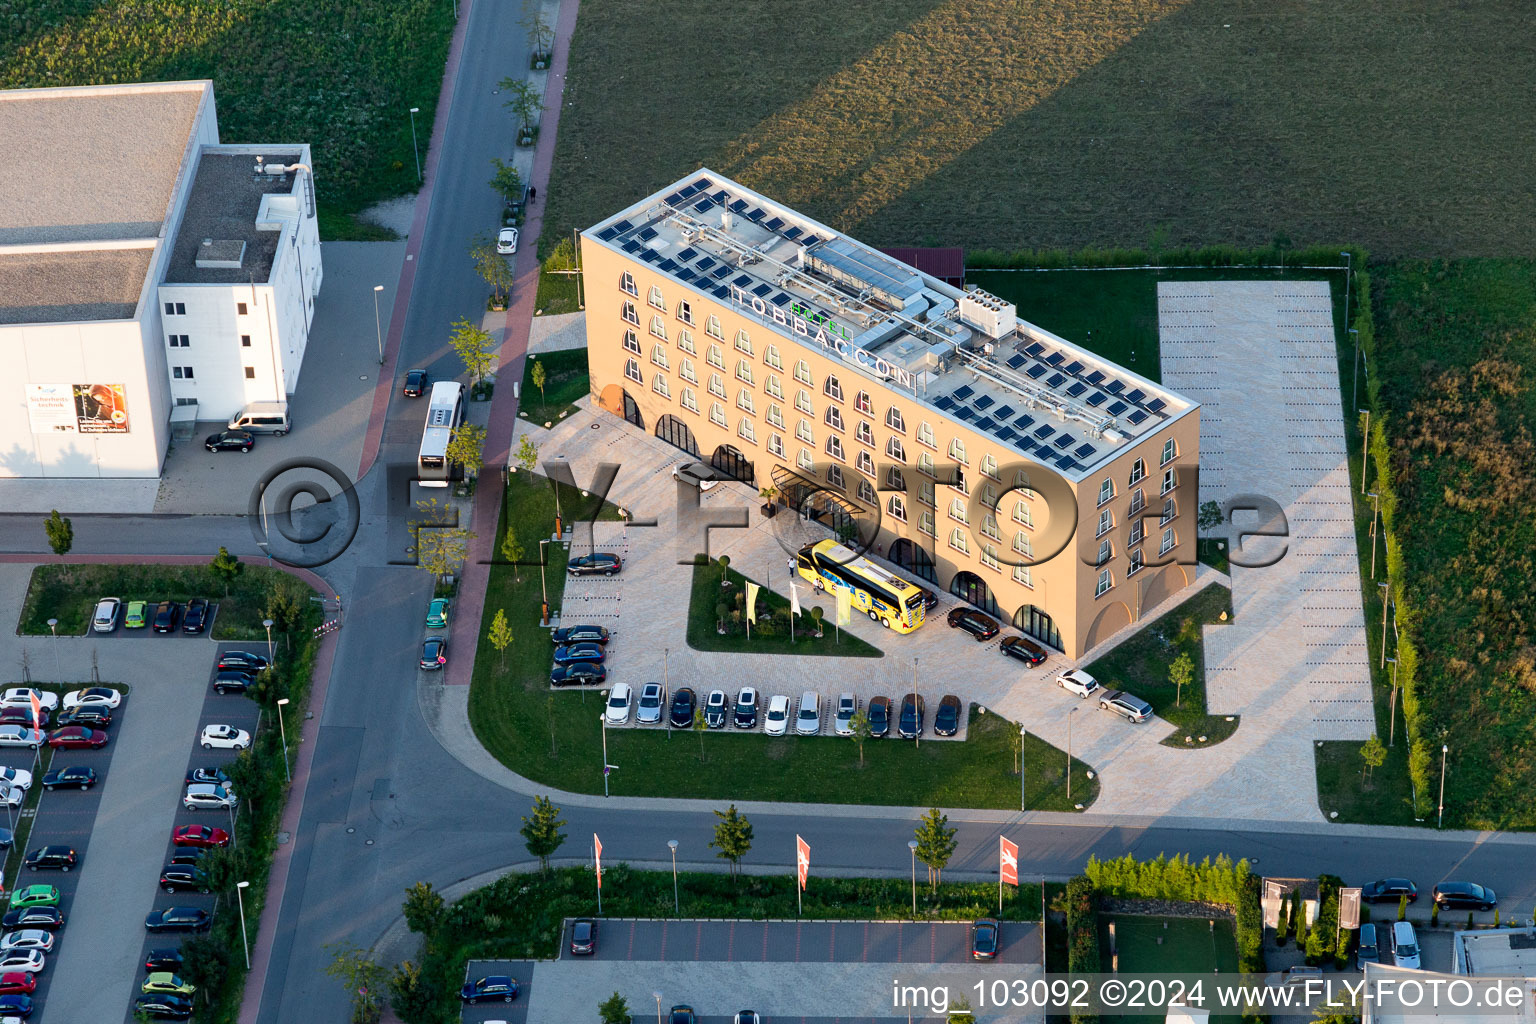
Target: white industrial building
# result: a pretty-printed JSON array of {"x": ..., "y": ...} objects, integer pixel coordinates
[{"x": 147, "y": 273}]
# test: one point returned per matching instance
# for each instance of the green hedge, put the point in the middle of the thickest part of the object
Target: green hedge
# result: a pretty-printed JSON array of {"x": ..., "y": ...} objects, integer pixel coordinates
[
  {"x": 1176, "y": 878},
  {"x": 1083, "y": 934},
  {"x": 1206, "y": 256}
]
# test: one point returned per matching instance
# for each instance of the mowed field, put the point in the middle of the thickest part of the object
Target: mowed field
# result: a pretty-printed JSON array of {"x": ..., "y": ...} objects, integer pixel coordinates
[{"x": 1402, "y": 126}]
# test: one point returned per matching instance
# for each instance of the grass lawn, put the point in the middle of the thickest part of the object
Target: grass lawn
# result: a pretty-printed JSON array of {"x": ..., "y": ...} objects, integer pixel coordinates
[
  {"x": 70, "y": 592},
  {"x": 558, "y": 293},
  {"x": 1141, "y": 664},
  {"x": 775, "y": 639},
  {"x": 554, "y": 737},
  {"x": 565, "y": 382},
  {"x": 1170, "y": 945},
  {"x": 1145, "y": 122},
  {"x": 350, "y": 71},
  {"x": 1213, "y": 552}
]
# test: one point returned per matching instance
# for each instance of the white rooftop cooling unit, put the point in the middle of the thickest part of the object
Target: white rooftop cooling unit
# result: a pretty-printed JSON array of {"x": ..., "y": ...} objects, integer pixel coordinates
[{"x": 988, "y": 314}]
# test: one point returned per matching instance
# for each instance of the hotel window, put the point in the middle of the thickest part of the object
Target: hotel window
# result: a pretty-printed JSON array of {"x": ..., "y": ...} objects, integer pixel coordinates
[
  {"x": 689, "y": 401},
  {"x": 655, "y": 299},
  {"x": 1170, "y": 452},
  {"x": 862, "y": 403},
  {"x": 744, "y": 401},
  {"x": 712, "y": 327},
  {"x": 1135, "y": 564},
  {"x": 926, "y": 494},
  {"x": 925, "y": 436},
  {"x": 743, "y": 342},
  {"x": 865, "y": 463},
  {"x": 834, "y": 417},
  {"x": 958, "y": 541},
  {"x": 958, "y": 483},
  {"x": 957, "y": 510},
  {"x": 744, "y": 371},
  {"x": 1170, "y": 510},
  {"x": 686, "y": 372},
  {"x": 181, "y": 341},
  {"x": 1022, "y": 514},
  {"x": 775, "y": 417},
  {"x": 834, "y": 446},
  {"x": 866, "y": 494},
  {"x": 803, "y": 432},
  {"x": 775, "y": 445},
  {"x": 894, "y": 421},
  {"x": 1168, "y": 542},
  {"x": 957, "y": 450},
  {"x": 989, "y": 496},
  {"x": 835, "y": 478},
  {"x": 240, "y": 309},
  {"x": 176, "y": 309},
  {"x": 631, "y": 342},
  {"x": 865, "y": 433},
  {"x": 1137, "y": 533},
  {"x": 771, "y": 385},
  {"x": 771, "y": 357},
  {"x": 717, "y": 385},
  {"x": 925, "y": 523},
  {"x": 896, "y": 450},
  {"x": 245, "y": 341},
  {"x": 717, "y": 414},
  {"x": 1138, "y": 500},
  {"x": 250, "y": 373},
  {"x": 1021, "y": 480},
  {"x": 714, "y": 358},
  {"x": 1106, "y": 522},
  {"x": 1021, "y": 574},
  {"x": 632, "y": 371},
  {"x": 894, "y": 480},
  {"x": 802, "y": 372},
  {"x": 659, "y": 356},
  {"x": 627, "y": 283},
  {"x": 685, "y": 342},
  {"x": 685, "y": 312},
  {"x": 989, "y": 527},
  {"x": 1106, "y": 580},
  {"x": 1138, "y": 471},
  {"x": 745, "y": 431},
  {"x": 629, "y": 314},
  {"x": 896, "y": 507},
  {"x": 659, "y": 385},
  {"x": 989, "y": 557},
  {"x": 1022, "y": 544},
  {"x": 659, "y": 327},
  {"x": 1105, "y": 550},
  {"x": 1167, "y": 481},
  {"x": 804, "y": 460},
  {"x": 1106, "y": 490},
  {"x": 989, "y": 467},
  {"x": 185, "y": 372},
  {"x": 832, "y": 388},
  {"x": 925, "y": 463},
  {"x": 803, "y": 402}
]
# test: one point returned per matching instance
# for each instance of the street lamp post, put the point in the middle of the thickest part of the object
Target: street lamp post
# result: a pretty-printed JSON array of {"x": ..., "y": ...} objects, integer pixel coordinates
[
  {"x": 1365, "y": 447},
  {"x": 543, "y": 582},
  {"x": 414, "y": 148},
  {"x": 1375, "y": 514},
  {"x": 658, "y": 1006},
  {"x": 1392, "y": 707},
  {"x": 1023, "y": 735},
  {"x": 672, "y": 845},
  {"x": 1349, "y": 265},
  {"x": 244, "y": 940},
  {"x": 1444, "y": 750},
  {"x": 666, "y": 685},
  {"x": 603, "y": 721},
  {"x": 1386, "y": 597},
  {"x": 917, "y": 718},
  {"x": 912, "y": 845},
  {"x": 271, "y": 656},
  {"x": 1069, "y": 753},
  {"x": 58, "y": 673},
  {"x": 283, "y": 731},
  {"x": 378, "y": 327},
  {"x": 234, "y": 841}
]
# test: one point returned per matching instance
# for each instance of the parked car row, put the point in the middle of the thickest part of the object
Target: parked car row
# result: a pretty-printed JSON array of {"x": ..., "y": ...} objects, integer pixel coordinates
[
  {"x": 580, "y": 656},
  {"x": 434, "y": 649},
  {"x": 163, "y": 616},
  {"x": 1128, "y": 706},
  {"x": 778, "y": 715}
]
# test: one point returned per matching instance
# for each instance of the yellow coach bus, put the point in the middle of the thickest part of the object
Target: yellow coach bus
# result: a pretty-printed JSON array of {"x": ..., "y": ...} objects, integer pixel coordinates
[{"x": 883, "y": 596}]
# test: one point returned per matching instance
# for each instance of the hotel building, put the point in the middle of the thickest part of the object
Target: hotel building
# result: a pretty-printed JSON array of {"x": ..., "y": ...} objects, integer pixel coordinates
[{"x": 1027, "y": 476}]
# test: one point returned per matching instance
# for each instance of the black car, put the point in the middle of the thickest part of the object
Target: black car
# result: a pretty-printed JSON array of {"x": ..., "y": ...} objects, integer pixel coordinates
[
  {"x": 176, "y": 877},
  {"x": 196, "y": 619},
  {"x": 1389, "y": 889},
  {"x": 163, "y": 1006},
  {"x": 232, "y": 681},
  {"x": 495, "y": 986},
  {"x": 230, "y": 441},
  {"x": 47, "y": 918},
  {"x": 570, "y": 654},
  {"x": 166, "y": 615},
  {"x": 744, "y": 712},
  {"x": 878, "y": 711},
  {"x": 177, "y": 919},
  {"x": 982, "y": 627},
  {"x": 984, "y": 935},
  {"x": 1027, "y": 651},
  {"x": 601, "y": 563},
  {"x": 188, "y": 854},
  {"x": 1465, "y": 896},
  {"x": 416, "y": 382},
  {"x": 714, "y": 709},
  {"x": 70, "y": 775},
  {"x": 214, "y": 776},
  {"x": 683, "y": 703},
  {"x": 163, "y": 960},
  {"x": 434, "y": 653},
  {"x": 241, "y": 661},
  {"x": 580, "y": 635},
  {"x": 584, "y": 937},
  {"x": 910, "y": 724},
  {"x": 15, "y": 1004},
  {"x": 59, "y": 858},
  {"x": 946, "y": 720},
  {"x": 930, "y": 599},
  {"x": 7, "y": 838},
  {"x": 92, "y": 715},
  {"x": 681, "y": 1014},
  {"x": 583, "y": 673}
]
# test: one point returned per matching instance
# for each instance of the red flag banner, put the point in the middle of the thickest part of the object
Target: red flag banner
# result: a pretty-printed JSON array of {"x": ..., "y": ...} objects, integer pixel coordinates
[
  {"x": 802, "y": 859},
  {"x": 597, "y": 854},
  {"x": 1008, "y": 861},
  {"x": 37, "y": 710}
]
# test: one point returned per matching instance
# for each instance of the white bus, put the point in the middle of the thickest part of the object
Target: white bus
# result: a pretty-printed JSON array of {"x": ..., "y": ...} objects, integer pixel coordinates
[{"x": 445, "y": 412}]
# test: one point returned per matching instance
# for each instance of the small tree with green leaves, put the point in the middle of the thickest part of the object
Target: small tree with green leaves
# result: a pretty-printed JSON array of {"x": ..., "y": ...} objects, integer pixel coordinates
[
  {"x": 471, "y": 343},
  {"x": 935, "y": 845},
  {"x": 467, "y": 448},
  {"x": 722, "y": 613},
  {"x": 1208, "y": 516},
  {"x": 525, "y": 103},
  {"x": 1283, "y": 923},
  {"x": 506, "y": 181},
  {"x": 205, "y": 962},
  {"x": 1181, "y": 673},
  {"x": 541, "y": 34},
  {"x": 700, "y": 727},
  {"x": 960, "y": 1011},
  {"x": 861, "y": 731},
  {"x": 512, "y": 550},
  {"x": 527, "y": 454},
  {"x": 541, "y": 831},
  {"x": 733, "y": 838},
  {"x": 365, "y": 981},
  {"x": 1374, "y": 754},
  {"x": 61, "y": 533},
  {"x": 412, "y": 996},
  {"x": 540, "y": 377},
  {"x": 614, "y": 1010},
  {"x": 226, "y": 568},
  {"x": 494, "y": 268},
  {"x": 1402, "y": 908},
  {"x": 1016, "y": 744},
  {"x": 423, "y": 908},
  {"x": 816, "y": 616}
]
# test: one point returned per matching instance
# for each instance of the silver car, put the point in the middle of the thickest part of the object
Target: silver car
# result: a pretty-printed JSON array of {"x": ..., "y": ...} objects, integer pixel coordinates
[
  {"x": 206, "y": 796},
  {"x": 808, "y": 720},
  {"x": 653, "y": 700},
  {"x": 1129, "y": 707},
  {"x": 695, "y": 473},
  {"x": 847, "y": 707}
]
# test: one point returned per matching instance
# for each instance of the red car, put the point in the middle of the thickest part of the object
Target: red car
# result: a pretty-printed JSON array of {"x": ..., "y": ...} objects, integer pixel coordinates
[
  {"x": 17, "y": 983},
  {"x": 20, "y": 716},
  {"x": 77, "y": 737},
  {"x": 200, "y": 835}
]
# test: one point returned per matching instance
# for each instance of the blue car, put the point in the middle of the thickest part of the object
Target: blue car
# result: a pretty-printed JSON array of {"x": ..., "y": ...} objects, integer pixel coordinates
[
  {"x": 573, "y": 653},
  {"x": 15, "y": 1006},
  {"x": 494, "y": 986}
]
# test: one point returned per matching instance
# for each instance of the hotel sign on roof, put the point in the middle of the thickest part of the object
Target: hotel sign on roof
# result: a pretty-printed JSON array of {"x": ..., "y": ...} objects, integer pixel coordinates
[{"x": 834, "y": 340}]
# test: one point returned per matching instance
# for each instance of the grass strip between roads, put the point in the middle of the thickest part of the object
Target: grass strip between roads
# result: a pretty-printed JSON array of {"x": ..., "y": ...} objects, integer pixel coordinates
[
  {"x": 771, "y": 634},
  {"x": 565, "y": 382},
  {"x": 555, "y": 739}
]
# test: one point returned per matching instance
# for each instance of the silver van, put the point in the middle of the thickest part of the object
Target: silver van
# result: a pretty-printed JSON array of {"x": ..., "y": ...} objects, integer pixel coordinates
[
  {"x": 1405, "y": 945},
  {"x": 262, "y": 418},
  {"x": 1367, "y": 952}
]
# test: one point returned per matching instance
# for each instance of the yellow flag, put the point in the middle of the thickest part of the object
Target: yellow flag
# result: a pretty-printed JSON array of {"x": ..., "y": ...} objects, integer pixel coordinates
[
  {"x": 752, "y": 589},
  {"x": 844, "y": 606}
]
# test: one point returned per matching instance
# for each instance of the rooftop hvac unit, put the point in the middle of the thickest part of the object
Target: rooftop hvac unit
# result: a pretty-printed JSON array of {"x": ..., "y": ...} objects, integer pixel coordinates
[{"x": 988, "y": 314}]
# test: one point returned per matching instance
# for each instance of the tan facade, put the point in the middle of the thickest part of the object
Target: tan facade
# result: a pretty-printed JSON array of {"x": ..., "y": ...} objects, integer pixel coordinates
[{"x": 669, "y": 357}]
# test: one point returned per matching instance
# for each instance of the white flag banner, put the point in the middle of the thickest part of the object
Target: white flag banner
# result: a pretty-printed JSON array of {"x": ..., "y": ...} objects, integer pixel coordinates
[{"x": 794, "y": 600}]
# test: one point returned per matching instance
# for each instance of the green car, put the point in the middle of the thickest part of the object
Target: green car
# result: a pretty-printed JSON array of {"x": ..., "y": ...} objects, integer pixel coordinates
[
  {"x": 135, "y": 618},
  {"x": 437, "y": 614},
  {"x": 35, "y": 896},
  {"x": 166, "y": 983}
]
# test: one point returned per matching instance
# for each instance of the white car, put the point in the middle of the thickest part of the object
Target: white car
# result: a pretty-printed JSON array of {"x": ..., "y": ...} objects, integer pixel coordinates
[
  {"x": 506, "y": 241},
  {"x": 105, "y": 619},
  {"x": 16, "y": 778},
  {"x": 776, "y": 721},
  {"x": 695, "y": 473},
  {"x": 847, "y": 707},
  {"x": 225, "y": 736},
  {"x": 20, "y": 736},
  {"x": 618, "y": 703},
  {"x": 653, "y": 700},
  {"x": 205, "y": 796},
  {"x": 27, "y": 938},
  {"x": 29, "y": 961},
  {"x": 21, "y": 697},
  {"x": 808, "y": 721},
  {"x": 1079, "y": 682},
  {"x": 92, "y": 697},
  {"x": 12, "y": 797}
]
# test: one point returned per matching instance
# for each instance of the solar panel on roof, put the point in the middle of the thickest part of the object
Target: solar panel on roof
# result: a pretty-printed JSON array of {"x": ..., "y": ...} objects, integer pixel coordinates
[
  {"x": 701, "y": 184},
  {"x": 687, "y": 254},
  {"x": 623, "y": 225},
  {"x": 1097, "y": 398},
  {"x": 1075, "y": 367},
  {"x": 688, "y": 191},
  {"x": 1055, "y": 358},
  {"x": 721, "y": 196},
  {"x": 792, "y": 234},
  {"x": 1023, "y": 421},
  {"x": 739, "y": 205},
  {"x": 780, "y": 299},
  {"x": 722, "y": 292},
  {"x": 647, "y": 233},
  {"x": 1065, "y": 461},
  {"x": 1055, "y": 380},
  {"x": 945, "y": 402},
  {"x": 775, "y": 224},
  {"x": 630, "y": 245},
  {"x": 1045, "y": 431},
  {"x": 706, "y": 263},
  {"x": 703, "y": 206},
  {"x": 1157, "y": 405},
  {"x": 1005, "y": 434},
  {"x": 962, "y": 412},
  {"x": 1025, "y": 445},
  {"x": 1117, "y": 407},
  {"x": 984, "y": 402},
  {"x": 721, "y": 272},
  {"x": 1015, "y": 361},
  {"x": 1077, "y": 388},
  {"x": 686, "y": 274},
  {"x": 1137, "y": 416},
  {"x": 985, "y": 423},
  {"x": 762, "y": 289},
  {"x": 667, "y": 265},
  {"x": 963, "y": 392},
  {"x": 650, "y": 255},
  {"x": 1094, "y": 377},
  {"x": 608, "y": 234},
  {"x": 1036, "y": 370},
  {"x": 674, "y": 198},
  {"x": 1114, "y": 387},
  {"x": 1084, "y": 450},
  {"x": 1136, "y": 396},
  {"x": 755, "y": 214},
  {"x": 1035, "y": 349},
  {"x": 1002, "y": 412},
  {"x": 741, "y": 281},
  {"x": 1065, "y": 441}
]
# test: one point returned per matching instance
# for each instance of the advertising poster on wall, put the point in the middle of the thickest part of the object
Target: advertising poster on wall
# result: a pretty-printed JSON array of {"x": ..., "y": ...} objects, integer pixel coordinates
[
  {"x": 101, "y": 409},
  {"x": 51, "y": 408}
]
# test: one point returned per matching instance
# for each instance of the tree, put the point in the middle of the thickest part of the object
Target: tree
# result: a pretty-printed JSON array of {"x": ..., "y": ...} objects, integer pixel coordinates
[
  {"x": 539, "y": 377},
  {"x": 512, "y": 550},
  {"x": 440, "y": 548},
  {"x": 960, "y": 1011},
  {"x": 470, "y": 342},
  {"x": 423, "y": 908},
  {"x": 524, "y": 101},
  {"x": 527, "y": 454},
  {"x": 413, "y": 997},
  {"x": 226, "y": 567},
  {"x": 500, "y": 634},
  {"x": 1016, "y": 744},
  {"x": 204, "y": 963},
  {"x": 935, "y": 844},
  {"x": 365, "y": 981},
  {"x": 541, "y": 831},
  {"x": 286, "y": 602},
  {"x": 506, "y": 181},
  {"x": 722, "y": 612},
  {"x": 1402, "y": 908},
  {"x": 1181, "y": 673},
  {"x": 816, "y": 614},
  {"x": 614, "y": 1010},
  {"x": 1283, "y": 922},
  {"x": 1374, "y": 754},
  {"x": 861, "y": 731},
  {"x": 467, "y": 448},
  {"x": 1208, "y": 517},
  {"x": 700, "y": 726},
  {"x": 61, "y": 533},
  {"x": 733, "y": 837},
  {"x": 223, "y": 867},
  {"x": 541, "y": 34}
]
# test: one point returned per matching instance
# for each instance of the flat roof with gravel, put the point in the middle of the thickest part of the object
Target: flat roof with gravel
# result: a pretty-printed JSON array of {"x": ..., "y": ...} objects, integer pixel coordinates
[
  {"x": 222, "y": 207},
  {"x": 62, "y": 287}
]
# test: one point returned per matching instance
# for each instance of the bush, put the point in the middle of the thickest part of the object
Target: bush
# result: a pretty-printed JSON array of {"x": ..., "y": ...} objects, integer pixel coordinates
[{"x": 1083, "y": 955}]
